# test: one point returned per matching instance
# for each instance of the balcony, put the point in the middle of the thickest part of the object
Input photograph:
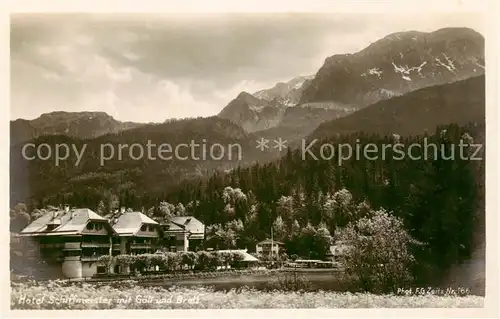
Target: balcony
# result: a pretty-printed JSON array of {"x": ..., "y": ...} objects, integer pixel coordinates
[
  {"x": 141, "y": 246},
  {"x": 72, "y": 246},
  {"x": 71, "y": 258},
  {"x": 52, "y": 258},
  {"x": 95, "y": 245},
  {"x": 57, "y": 245},
  {"x": 90, "y": 258},
  {"x": 275, "y": 249},
  {"x": 197, "y": 236}
]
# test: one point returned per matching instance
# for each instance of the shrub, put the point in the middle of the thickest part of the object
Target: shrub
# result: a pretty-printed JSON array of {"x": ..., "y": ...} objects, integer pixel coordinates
[
  {"x": 289, "y": 281},
  {"x": 107, "y": 261},
  {"x": 173, "y": 261},
  {"x": 124, "y": 260},
  {"x": 377, "y": 252},
  {"x": 214, "y": 260},
  {"x": 189, "y": 258},
  {"x": 203, "y": 260}
]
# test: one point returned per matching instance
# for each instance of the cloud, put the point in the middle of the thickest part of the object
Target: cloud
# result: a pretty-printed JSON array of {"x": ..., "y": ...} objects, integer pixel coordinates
[{"x": 152, "y": 67}]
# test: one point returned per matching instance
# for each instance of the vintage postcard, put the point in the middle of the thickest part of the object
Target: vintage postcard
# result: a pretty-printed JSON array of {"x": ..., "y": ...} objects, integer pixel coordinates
[{"x": 308, "y": 158}]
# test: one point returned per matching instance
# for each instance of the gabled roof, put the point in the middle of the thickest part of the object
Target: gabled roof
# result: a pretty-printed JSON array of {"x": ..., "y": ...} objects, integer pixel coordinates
[
  {"x": 171, "y": 226},
  {"x": 269, "y": 241},
  {"x": 69, "y": 222},
  {"x": 131, "y": 222},
  {"x": 242, "y": 252},
  {"x": 183, "y": 220},
  {"x": 184, "y": 223}
]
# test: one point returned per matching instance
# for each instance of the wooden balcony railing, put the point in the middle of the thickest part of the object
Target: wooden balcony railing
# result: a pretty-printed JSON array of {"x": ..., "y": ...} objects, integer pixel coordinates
[
  {"x": 72, "y": 246},
  {"x": 89, "y": 258},
  {"x": 71, "y": 258},
  {"x": 95, "y": 245},
  {"x": 141, "y": 246},
  {"x": 56, "y": 245}
]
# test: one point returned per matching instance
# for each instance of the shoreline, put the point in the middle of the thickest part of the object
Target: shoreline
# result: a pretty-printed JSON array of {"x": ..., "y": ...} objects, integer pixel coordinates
[{"x": 193, "y": 274}]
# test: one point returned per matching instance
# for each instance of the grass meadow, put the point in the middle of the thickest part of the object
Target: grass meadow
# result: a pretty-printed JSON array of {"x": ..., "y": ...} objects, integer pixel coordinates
[{"x": 130, "y": 295}]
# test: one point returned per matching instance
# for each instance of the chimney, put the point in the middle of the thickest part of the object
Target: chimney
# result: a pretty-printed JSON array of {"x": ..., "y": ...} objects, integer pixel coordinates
[
  {"x": 66, "y": 208},
  {"x": 122, "y": 210}
]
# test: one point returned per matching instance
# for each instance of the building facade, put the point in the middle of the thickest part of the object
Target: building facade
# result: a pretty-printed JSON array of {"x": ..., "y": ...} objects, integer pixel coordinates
[
  {"x": 183, "y": 233},
  {"x": 136, "y": 233},
  {"x": 73, "y": 240},
  {"x": 269, "y": 247}
]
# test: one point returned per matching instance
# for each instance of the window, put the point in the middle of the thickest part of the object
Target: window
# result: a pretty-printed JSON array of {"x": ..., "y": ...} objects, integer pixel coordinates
[
  {"x": 101, "y": 269},
  {"x": 144, "y": 228},
  {"x": 90, "y": 226}
]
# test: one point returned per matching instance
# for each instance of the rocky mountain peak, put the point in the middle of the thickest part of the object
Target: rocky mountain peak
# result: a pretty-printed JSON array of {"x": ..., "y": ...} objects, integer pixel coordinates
[
  {"x": 247, "y": 97},
  {"x": 396, "y": 64},
  {"x": 288, "y": 93}
]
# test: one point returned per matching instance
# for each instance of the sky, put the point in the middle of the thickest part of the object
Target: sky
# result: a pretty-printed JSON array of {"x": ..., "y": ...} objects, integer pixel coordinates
[{"x": 148, "y": 68}]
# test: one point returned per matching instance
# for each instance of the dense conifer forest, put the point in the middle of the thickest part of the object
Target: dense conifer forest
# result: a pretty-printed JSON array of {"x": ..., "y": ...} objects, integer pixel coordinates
[{"x": 305, "y": 200}]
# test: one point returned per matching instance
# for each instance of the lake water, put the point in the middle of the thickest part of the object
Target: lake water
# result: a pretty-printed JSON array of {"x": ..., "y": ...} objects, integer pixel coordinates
[{"x": 318, "y": 280}]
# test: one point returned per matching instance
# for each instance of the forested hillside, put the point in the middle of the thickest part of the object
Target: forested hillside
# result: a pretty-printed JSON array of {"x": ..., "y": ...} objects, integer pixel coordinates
[
  {"x": 307, "y": 199},
  {"x": 416, "y": 112}
]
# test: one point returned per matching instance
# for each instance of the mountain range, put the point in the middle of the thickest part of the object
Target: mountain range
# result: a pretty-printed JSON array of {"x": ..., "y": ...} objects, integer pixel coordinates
[
  {"x": 408, "y": 83},
  {"x": 417, "y": 112},
  {"x": 405, "y": 83},
  {"x": 287, "y": 93},
  {"x": 75, "y": 124},
  {"x": 397, "y": 64}
]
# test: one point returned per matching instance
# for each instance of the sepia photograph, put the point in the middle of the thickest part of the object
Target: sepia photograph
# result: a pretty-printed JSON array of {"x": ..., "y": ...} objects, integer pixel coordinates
[{"x": 247, "y": 160}]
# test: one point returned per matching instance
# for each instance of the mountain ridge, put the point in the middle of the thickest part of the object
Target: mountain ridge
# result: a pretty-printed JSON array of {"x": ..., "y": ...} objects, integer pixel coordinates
[
  {"x": 396, "y": 64},
  {"x": 392, "y": 66},
  {"x": 287, "y": 93},
  {"x": 416, "y": 112},
  {"x": 85, "y": 124}
]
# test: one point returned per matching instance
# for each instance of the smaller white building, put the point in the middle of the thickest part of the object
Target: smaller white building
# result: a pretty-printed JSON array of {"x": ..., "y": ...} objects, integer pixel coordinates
[
  {"x": 183, "y": 233},
  {"x": 337, "y": 251},
  {"x": 247, "y": 260},
  {"x": 269, "y": 247}
]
